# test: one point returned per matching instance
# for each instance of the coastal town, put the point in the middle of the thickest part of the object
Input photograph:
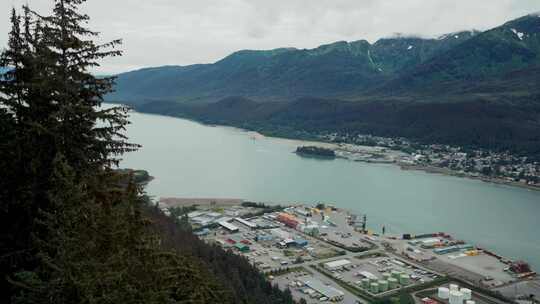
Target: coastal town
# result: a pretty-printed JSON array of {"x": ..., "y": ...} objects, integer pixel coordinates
[
  {"x": 498, "y": 167},
  {"x": 322, "y": 254}
]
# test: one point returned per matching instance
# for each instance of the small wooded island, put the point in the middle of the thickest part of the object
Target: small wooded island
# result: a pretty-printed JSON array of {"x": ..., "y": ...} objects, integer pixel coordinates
[
  {"x": 315, "y": 151},
  {"x": 139, "y": 176}
]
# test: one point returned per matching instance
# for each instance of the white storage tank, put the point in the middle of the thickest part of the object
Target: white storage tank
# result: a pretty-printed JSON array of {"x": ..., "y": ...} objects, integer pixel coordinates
[
  {"x": 456, "y": 297},
  {"x": 392, "y": 283},
  {"x": 365, "y": 283},
  {"x": 404, "y": 279},
  {"x": 471, "y": 302},
  {"x": 467, "y": 293},
  {"x": 383, "y": 285},
  {"x": 444, "y": 293},
  {"x": 454, "y": 287},
  {"x": 374, "y": 288}
]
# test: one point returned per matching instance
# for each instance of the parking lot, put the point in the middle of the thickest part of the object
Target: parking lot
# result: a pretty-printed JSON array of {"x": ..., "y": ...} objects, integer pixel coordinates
[
  {"x": 522, "y": 289},
  {"x": 471, "y": 265},
  {"x": 335, "y": 227},
  {"x": 274, "y": 248},
  {"x": 379, "y": 275},
  {"x": 296, "y": 283},
  {"x": 478, "y": 298},
  {"x": 302, "y": 236}
]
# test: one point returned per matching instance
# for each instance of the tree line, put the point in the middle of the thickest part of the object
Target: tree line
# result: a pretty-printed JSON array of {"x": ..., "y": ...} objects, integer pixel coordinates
[{"x": 71, "y": 229}]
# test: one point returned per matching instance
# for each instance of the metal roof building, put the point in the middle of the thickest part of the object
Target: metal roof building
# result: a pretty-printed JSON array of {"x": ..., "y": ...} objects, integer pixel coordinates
[
  {"x": 241, "y": 247},
  {"x": 328, "y": 291},
  {"x": 195, "y": 214},
  {"x": 228, "y": 226},
  {"x": 247, "y": 223},
  {"x": 337, "y": 264},
  {"x": 301, "y": 242}
]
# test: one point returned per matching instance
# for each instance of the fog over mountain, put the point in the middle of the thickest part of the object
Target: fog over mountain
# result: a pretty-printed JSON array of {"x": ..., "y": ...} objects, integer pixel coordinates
[
  {"x": 188, "y": 32},
  {"x": 477, "y": 89}
]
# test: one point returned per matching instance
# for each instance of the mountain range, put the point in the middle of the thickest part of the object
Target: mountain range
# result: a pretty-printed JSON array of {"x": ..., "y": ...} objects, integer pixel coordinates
[
  {"x": 468, "y": 88},
  {"x": 337, "y": 69}
]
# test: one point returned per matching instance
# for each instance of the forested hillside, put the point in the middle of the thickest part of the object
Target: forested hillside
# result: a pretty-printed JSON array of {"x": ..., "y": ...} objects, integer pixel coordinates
[
  {"x": 471, "y": 89},
  {"x": 337, "y": 69},
  {"x": 73, "y": 229},
  {"x": 499, "y": 126},
  {"x": 457, "y": 63},
  {"x": 235, "y": 272},
  {"x": 488, "y": 56}
]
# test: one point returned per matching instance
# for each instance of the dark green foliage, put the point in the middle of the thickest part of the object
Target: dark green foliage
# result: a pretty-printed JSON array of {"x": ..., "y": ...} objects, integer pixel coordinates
[
  {"x": 263, "y": 208},
  {"x": 254, "y": 205},
  {"x": 498, "y": 125},
  {"x": 401, "y": 298},
  {"x": 487, "y": 56},
  {"x": 335, "y": 69},
  {"x": 71, "y": 228},
  {"x": 469, "y": 89},
  {"x": 139, "y": 176},
  {"x": 246, "y": 284},
  {"x": 108, "y": 255},
  {"x": 315, "y": 151},
  {"x": 320, "y": 206},
  {"x": 455, "y": 64},
  {"x": 397, "y": 55}
]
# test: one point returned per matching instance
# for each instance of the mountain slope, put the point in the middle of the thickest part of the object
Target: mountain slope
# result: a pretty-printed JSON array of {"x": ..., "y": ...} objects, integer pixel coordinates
[
  {"x": 351, "y": 70},
  {"x": 397, "y": 54},
  {"x": 337, "y": 69},
  {"x": 472, "y": 122},
  {"x": 467, "y": 89},
  {"x": 490, "y": 55}
]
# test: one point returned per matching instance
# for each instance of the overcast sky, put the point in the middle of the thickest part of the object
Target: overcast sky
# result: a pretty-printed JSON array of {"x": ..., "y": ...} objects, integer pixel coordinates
[{"x": 181, "y": 32}]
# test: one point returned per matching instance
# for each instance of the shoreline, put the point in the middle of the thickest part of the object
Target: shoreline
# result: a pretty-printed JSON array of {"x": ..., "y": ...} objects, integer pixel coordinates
[
  {"x": 448, "y": 172},
  {"x": 402, "y": 166},
  {"x": 255, "y": 135},
  {"x": 396, "y": 241}
]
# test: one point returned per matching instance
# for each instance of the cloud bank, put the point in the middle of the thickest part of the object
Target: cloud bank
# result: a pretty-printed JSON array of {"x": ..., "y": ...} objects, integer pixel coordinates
[{"x": 181, "y": 32}]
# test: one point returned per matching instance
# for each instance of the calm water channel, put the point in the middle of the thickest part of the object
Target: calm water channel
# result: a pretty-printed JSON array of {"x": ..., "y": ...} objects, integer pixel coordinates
[{"x": 192, "y": 160}]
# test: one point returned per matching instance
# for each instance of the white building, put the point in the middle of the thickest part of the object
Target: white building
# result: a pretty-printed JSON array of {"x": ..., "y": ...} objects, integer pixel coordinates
[
  {"x": 302, "y": 212},
  {"x": 228, "y": 226},
  {"x": 330, "y": 292},
  {"x": 246, "y": 223},
  {"x": 202, "y": 220},
  {"x": 337, "y": 264},
  {"x": 195, "y": 214},
  {"x": 232, "y": 213},
  {"x": 280, "y": 234}
]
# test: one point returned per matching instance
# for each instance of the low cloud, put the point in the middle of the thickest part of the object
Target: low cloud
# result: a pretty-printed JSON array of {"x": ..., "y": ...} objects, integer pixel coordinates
[{"x": 161, "y": 32}]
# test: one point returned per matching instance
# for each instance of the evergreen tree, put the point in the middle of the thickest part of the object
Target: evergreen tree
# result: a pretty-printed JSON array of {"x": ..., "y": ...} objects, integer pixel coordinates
[
  {"x": 88, "y": 136},
  {"x": 107, "y": 255},
  {"x": 72, "y": 229},
  {"x": 71, "y": 232},
  {"x": 20, "y": 162}
]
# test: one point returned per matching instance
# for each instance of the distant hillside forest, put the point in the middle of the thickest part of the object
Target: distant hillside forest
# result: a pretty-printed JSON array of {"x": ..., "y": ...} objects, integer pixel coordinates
[
  {"x": 315, "y": 151},
  {"x": 72, "y": 228},
  {"x": 471, "y": 89},
  {"x": 498, "y": 126}
]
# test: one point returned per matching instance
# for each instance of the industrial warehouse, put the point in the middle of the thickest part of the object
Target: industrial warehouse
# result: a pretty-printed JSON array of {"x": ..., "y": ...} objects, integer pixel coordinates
[
  {"x": 330, "y": 255},
  {"x": 329, "y": 292}
]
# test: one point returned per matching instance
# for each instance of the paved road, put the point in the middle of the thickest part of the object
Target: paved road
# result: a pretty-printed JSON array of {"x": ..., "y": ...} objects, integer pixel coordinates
[
  {"x": 351, "y": 255},
  {"x": 349, "y": 297}
]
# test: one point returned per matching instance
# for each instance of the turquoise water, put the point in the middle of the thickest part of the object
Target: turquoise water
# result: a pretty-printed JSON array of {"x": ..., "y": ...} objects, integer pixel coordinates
[{"x": 192, "y": 160}]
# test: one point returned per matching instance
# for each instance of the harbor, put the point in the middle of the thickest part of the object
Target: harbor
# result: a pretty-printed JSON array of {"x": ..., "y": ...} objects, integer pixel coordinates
[{"x": 323, "y": 253}]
